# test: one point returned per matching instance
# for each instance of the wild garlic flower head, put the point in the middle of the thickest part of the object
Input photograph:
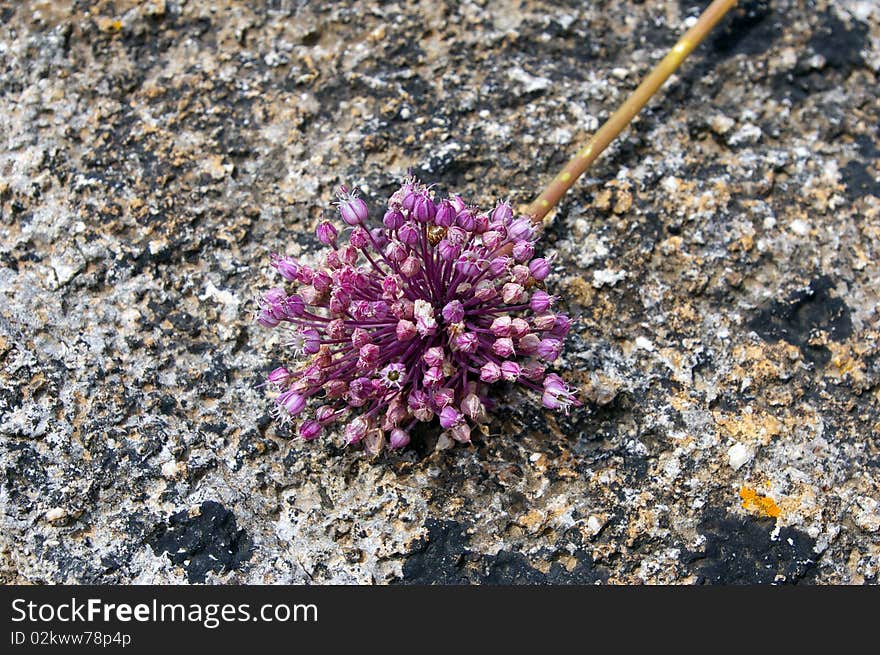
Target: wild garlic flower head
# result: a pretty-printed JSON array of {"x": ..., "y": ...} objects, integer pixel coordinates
[{"x": 411, "y": 320}]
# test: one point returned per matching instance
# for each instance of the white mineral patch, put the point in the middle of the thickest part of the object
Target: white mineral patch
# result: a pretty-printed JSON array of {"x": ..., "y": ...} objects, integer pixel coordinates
[
  {"x": 607, "y": 277},
  {"x": 530, "y": 83},
  {"x": 644, "y": 344},
  {"x": 738, "y": 455},
  {"x": 799, "y": 227}
]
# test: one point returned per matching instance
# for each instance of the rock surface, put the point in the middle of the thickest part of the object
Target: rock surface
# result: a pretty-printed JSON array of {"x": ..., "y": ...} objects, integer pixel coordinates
[{"x": 723, "y": 259}]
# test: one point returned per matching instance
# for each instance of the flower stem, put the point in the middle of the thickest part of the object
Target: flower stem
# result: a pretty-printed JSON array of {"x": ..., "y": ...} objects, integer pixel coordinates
[{"x": 621, "y": 118}]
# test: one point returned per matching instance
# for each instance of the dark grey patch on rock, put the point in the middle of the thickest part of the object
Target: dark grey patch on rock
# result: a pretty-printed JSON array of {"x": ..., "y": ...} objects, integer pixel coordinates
[
  {"x": 209, "y": 541},
  {"x": 860, "y": 181},
  {"x": 744, "y": 551},
  {"x": 840, "y": 46},
  {"x": 751, "y": 30},
  {"x": 805, "y": 313},
  {"x": 443, "y": 558},
  {"x": 511, "y": 568},
  {"x": 841, "y": 49},
  {"x": 440, "y": 557}
]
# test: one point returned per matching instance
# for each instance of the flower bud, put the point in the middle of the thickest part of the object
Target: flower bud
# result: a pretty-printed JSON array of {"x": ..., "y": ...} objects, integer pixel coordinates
[
  {"x": 444, "y": 396},
  {"x": 393, "y": 219},
  {"x": 456, "y": 235},
  {"x": 309, "y": 294},
  {"x": 322, "y": 281},
  {"x": 539, "y": 268},
  {"x": 325, "y": 414},
  {"x": 356, "y": 430},
  {"x": 395, "y": 251},
  {"x": 492, "y": 239},
  {"x": 448, "y": 250},
  {"x": 461, "y": 433},
  {"x": 450, "y": 417},
  {"x": 533, "y": 370},
  {"x": 420, "y": 405},
  {"x": 473, "y": 408},
  {"x": 398, "y": 439},
  {"x": 332, "y": 260},
  {"x": 326, "y": 233},
  {"x": 348, "y": 255},
  {"x": 453, "y": 312},
  {"x": 502, "y": 213},
  {"x": 410, "y": 266},
  {"x": 549, "y": 349},
  {"x": 433, "y": 376},
  {"x": 498, "y": 266},
  {"x": 434, "y": 356},
  {"x": 510, "y": 371},
  {"x": 468, "y": 263},
  {"x": 520, "y": 229},
  {"x": 309, "y": 430},
  {"x": 359, "y": 238},
  {"x": 374, "y": 442},
  {"x": 561, "y": 326},
  {"x": 467, "y": 342},
  {"x": 466, "y": 220},
  {"x": 512, "y": 293},
  {"x": 287, "y": 267},
  {"x": 457, "y": 203},
  {"x": 339, "y": 301},
  {"x": 540, "y": 302},
  {"x": 409, "y": 234},
  {"x": 291, "y": 401},
  {"x": 336, "y": 329},
  {"x": 520, "y": 274},
  {"x": 424, "y": 209},
  {"x": 543, "y": 322},
  {"x": 485, "y": 290},
  {"x": 360, "y": 337},
  {"x": 405, "y": 330},
  {"x": 523, "y": 251},
  {"x": 528, "y": 343},
  {"x": 352, "y": 209},
  {"x": 503, "y": 347},
  {"x": 518, "y": 327},
  {"x": 490, "y": 372},
  {"x": 445, "y": 216},
  {"x": 501, "y": 326},
  {"x": 279, "y": 377},
  {"x": 335, "y": 388}
]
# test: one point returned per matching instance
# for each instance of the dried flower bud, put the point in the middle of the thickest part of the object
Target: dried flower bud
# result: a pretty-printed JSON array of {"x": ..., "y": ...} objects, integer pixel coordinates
[{"x": 327, "y": 233}]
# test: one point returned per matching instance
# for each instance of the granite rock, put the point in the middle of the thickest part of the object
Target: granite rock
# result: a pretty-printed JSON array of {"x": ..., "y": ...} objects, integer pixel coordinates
[{"x": 721, "y": 258}]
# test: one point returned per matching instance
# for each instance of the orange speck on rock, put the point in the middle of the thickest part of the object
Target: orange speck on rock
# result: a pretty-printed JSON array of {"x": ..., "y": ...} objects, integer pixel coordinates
[{"x": 753, "y": 502}]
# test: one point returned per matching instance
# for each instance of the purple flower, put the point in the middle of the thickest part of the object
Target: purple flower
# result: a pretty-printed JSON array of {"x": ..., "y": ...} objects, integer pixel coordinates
[
  {"x": 445, "y": 215},
  {"x": 398, "y": 439},
  {"x": 453, "y": 312},
  {"x": 286, "y": 267},
  {"x": 450, "y": 417},
  {"x": 539, "y": 268},
  {"x": 352, "y": 209},
  {"x": 393, "y": 219},
  {"x": 279, "y": 377},
  {"x": 490, "y": 372},
  {"x": 310, "y": 429},
  {"x": 412, "y": 320},
  {"x": 540, "y": 301},
  {"x": 557, "y": 395},
  {"x": 327, "y": 233}
]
